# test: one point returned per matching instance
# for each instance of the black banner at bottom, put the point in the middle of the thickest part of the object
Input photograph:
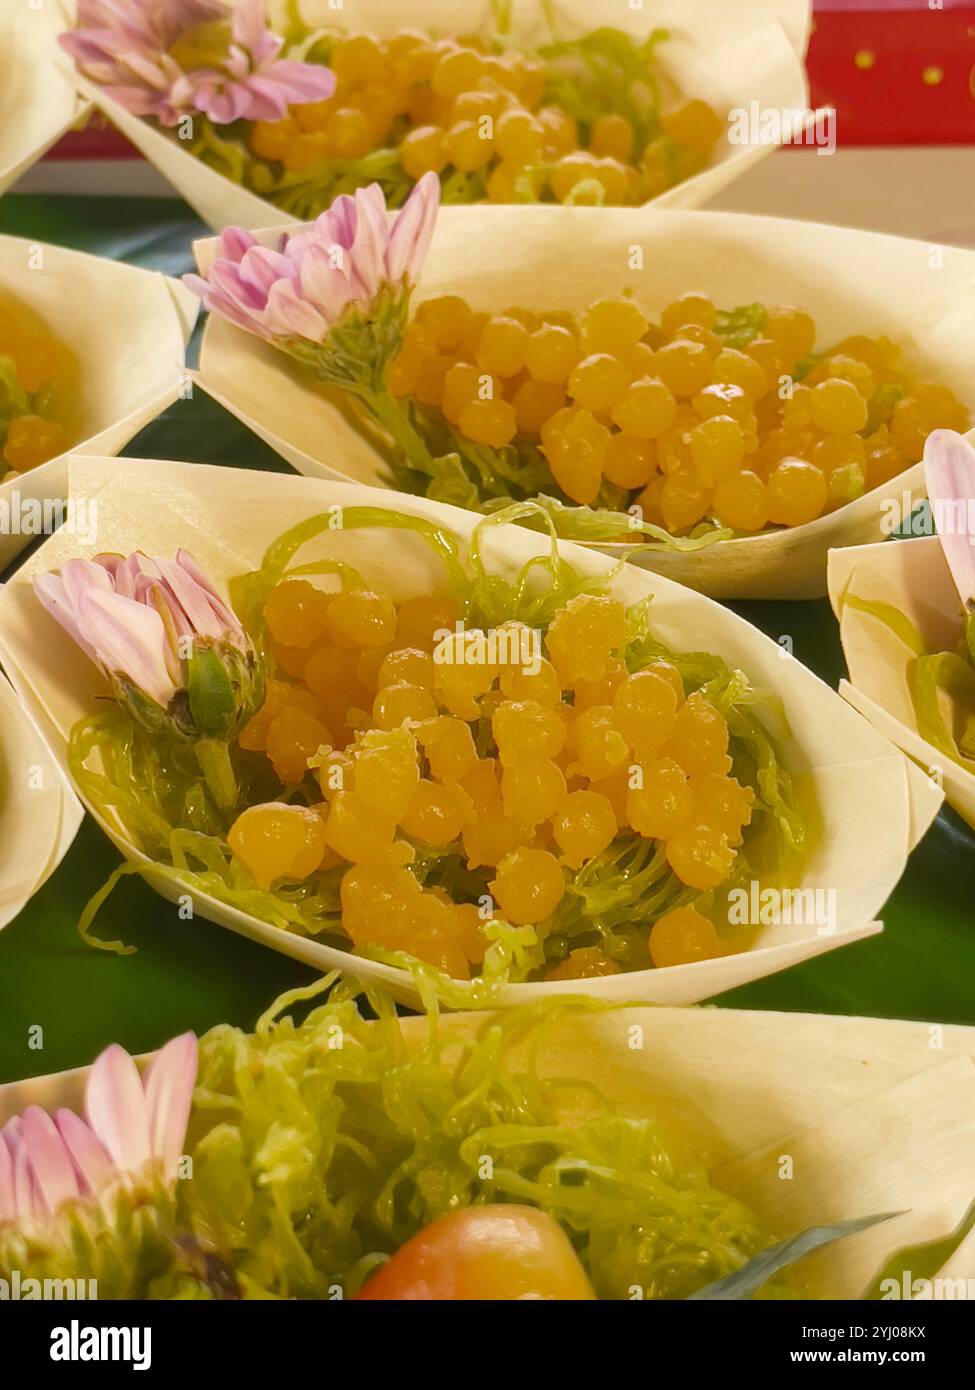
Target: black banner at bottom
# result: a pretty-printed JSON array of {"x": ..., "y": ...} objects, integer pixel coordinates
[{"x": 182, "y": 1337}]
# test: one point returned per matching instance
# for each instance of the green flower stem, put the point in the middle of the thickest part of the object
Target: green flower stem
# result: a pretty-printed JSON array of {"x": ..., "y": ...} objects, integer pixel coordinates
[
  {"x": 355, "y": 357},
  {"x": 390, "y": 415},
  {"x": 213, "y": 755}
]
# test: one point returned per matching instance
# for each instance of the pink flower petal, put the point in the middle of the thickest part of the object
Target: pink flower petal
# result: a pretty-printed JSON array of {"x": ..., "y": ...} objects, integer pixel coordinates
[
  {"x": 949, "y": 475},
  {"x": 302, "y": 82},
  {"x": 226, "y": 103},
  {"x": 324, "y": 284},
  {"x": 8, "y": 1204},
  {"x": 217, "y": 303},
  {"x": 174, "y": 17},
  {"x": 148, "y": 71},
  {"x": 194, "y": 601},
  {"x": 373, "y": 199},
  {"x": 338, "y": 223},
  {"x": 169, "y": 1094},
  {"x": 96, "y": 49},
  {"x": 371, "y": 238},
  {"x": 294, "y": 245},
  {"x": 412, "y": 230},
  {"x": 237, "y": 65},
  {"x": 61, "y": 596},
  {"x": 94, "y": 1167},
  {"x": 266, "y": 100},
  {"x": 261, "y": 268},
  {"x": 235, "y": 242},
  {"x": 225, "y": 614},
  {"x": 140, "y": 102},
  {"x": 130, "y": 641},
  {"x": 124, "y": 45},
  {"x": 115, "y": 1106},
  {"x": 50, "y": 593},
  {"x": 109, "y": 561},
  {"x": 251, "y": 32},
  {"x": 156, "y": 594},
  {"x": 79, "y": 578},
  {"x": 26, "y": 1198},
  {"x": 226, "y": 279},
  {"x": 50, "y": 1160},
  {"x": 127, "y": 572},
  {"x": 288, "y": 315},
  {"x": 26, "y": 1195}
]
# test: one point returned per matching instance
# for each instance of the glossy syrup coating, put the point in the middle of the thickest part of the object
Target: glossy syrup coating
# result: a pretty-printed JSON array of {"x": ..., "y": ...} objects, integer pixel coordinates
[
  {"x": 456, "y": 107},
  {"x": 743, "y": 427},
  {"x": 38, "y": 389},
  {"x": 521, "y": 772}
]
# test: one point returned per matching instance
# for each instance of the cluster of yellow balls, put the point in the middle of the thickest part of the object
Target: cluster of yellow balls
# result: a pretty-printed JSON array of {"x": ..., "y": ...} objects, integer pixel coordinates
[
  {"x": 454, "y": 105},
  {"x": 686, "y": 426}
]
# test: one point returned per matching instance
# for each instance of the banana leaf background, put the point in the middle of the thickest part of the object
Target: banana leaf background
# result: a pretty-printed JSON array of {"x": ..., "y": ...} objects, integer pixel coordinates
[{"x": 191, "y": 975}]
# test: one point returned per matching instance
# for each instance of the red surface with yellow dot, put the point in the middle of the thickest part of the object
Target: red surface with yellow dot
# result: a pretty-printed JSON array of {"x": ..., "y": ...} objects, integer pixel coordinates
[{"x": 898, "y": 72}]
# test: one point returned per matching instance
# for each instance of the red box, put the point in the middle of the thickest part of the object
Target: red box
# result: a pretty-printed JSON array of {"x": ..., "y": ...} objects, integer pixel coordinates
[
  {"x": 899, "y": 72},
  {"x": 97, "y": 139}
]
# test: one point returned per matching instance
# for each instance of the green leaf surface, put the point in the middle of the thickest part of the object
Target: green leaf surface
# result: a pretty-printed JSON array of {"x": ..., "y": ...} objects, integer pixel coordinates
[
  {"x": 746, "y": 1282},
  {"x": 211, "y": 695},
  {"x": 921, "y": 1261}
]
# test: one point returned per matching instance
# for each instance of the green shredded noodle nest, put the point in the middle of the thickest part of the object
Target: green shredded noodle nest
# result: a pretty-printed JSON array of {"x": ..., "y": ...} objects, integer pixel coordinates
[
  {"x": 156, "y": 792},
  {"x": 319, "y": 1149},
  {"x": 316, "y": 1149}
]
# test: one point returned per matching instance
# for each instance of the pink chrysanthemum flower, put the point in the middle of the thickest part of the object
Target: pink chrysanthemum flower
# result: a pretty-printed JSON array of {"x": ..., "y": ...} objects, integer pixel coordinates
[
  {"x": 346, "y": 258},
  {"x": 335, "y": 297},
  {"x": 144, "y": 622},
  {"x": 174, "y": 654},
  {"x": 133, "y": 1133},
  {"x": 171, "y": 58}
]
